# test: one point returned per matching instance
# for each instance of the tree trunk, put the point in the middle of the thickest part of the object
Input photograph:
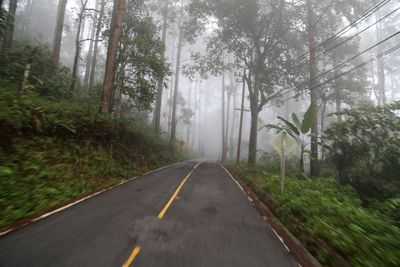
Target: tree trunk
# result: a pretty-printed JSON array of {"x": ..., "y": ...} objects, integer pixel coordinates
[
  {"x": 157, "y": 111},
  {"x": 171, "y": 92},
  {"x": 27, "y": 16},
  {"x": 27, "y": 72},
  {"x": 253, "y": 138},
  {"x": 338, "y": 100},
  {"x": 301, "y": 162},
  {"x": 89, "y": 57},
  {"x": 233, "y": 121},
  {"x": 228, "y": 109},
  {"x": 381, "y": 66},
  {"x": 196, "y": 94},
  {"x": 314, "y": 165},
  {"x": 115, "y": 34},
  {"x": 9, "y": 31},
  {"x": 77, "y": 47},
  {"x": 190, "y": 107},
  {"x": 241, "y": 118},
  {"x": 176, "y": 86},
  {"x": 223, "y": 153},
  {"x": 323, "y": 127},
  {"x": 96, "y": 45},
  {"x": 59, "y": 30},
  {"x": 200, "y": 126}
]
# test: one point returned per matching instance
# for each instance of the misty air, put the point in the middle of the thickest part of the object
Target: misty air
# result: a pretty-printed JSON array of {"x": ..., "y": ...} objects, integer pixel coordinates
[{"x": 200, "y": 133}]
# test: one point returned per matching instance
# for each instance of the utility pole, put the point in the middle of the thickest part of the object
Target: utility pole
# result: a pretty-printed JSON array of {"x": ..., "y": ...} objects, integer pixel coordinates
[{"x": 241, "y": 114}]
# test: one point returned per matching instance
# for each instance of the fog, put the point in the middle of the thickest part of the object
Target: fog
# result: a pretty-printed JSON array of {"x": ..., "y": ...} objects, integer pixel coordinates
[{"x": 202, "y": 129}]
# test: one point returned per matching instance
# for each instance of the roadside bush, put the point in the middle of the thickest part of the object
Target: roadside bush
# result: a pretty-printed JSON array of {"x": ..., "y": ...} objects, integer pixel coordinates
[
  {"x": 365, "y": 148},
  {"x": 52, "y": 151},
  {"x": 329, "y": 219}
]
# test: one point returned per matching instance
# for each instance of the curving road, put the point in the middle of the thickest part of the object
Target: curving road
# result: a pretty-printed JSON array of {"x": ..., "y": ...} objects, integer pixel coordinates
[{"x": 187, "y": 214}]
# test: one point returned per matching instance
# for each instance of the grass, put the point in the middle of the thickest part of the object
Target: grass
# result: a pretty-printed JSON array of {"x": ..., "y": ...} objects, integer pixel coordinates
[
  {"x": 55, "y": 151},
  {"x": 328, "y": 219}
]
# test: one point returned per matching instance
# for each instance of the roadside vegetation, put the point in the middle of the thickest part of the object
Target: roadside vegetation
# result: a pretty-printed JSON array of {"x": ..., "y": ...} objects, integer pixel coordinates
[
  {"x": 55, "y": 145},
  {"x": 328, "y": 218},
  {"x": 349, "y": 216}
]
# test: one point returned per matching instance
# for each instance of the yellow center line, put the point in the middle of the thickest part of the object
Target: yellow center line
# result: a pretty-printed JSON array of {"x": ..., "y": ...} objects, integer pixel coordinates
[
  {"x": 136, "y": 250},
  {"x": 134, "y": 253}
]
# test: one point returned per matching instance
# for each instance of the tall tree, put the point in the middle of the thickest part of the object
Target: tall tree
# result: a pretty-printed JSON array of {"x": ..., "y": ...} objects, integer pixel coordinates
[
  {"x": 9, "y": 32},
  {"x": 81, "y": 16},
  {"x": 96, "y": 44},
  {"x": 176, "y": 85},
  {"x": 157, "y": 111},
  {"x": 322, "y": 20},
  {"x": 59, "y": 30},
  {"x": 313, "y": 72},
  {"x": 224, "y": 148},
  {"x": 255, "y": 33},
  {"x": 89, "y": 57},
  {"x": 115, "y": 34}
]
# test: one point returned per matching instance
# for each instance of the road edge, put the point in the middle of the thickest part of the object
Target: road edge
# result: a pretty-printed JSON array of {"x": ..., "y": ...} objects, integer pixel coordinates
[
  {"x": 294, "y": 246},
  {"x": 19, "y": 224}
]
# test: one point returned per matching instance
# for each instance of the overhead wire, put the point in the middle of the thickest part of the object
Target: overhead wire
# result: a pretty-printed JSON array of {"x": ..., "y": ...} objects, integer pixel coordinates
[
  {"x": 388, "y": 51},
  {"x": 335, "y": 36}
]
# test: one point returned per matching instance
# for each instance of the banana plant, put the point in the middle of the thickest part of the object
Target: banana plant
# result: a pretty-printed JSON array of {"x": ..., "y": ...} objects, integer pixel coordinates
[{"x": 298, "y": 129}]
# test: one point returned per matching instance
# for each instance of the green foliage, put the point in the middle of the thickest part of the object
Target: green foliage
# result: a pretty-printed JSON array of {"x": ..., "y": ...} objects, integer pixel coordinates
[
  {"x": 307, "y": 120},
  {"x": 141, "y": 63},
  {"x": 46, "y": 77},
  {"x": 52, "y": 151},
  {"x": 298, "y": 129},
  {"x": 365, "y": 148},
  {"x": 329, "y": 220}
]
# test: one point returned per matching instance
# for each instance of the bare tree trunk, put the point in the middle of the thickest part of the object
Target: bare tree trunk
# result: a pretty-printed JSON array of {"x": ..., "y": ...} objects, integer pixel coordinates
[
  {"x": 204, "y": 123},
  {"x": 9, "y": 32},
  {"x": 196, "y": 96},
  {"x": 96, "y": 45},
  {"x": 157, "y": 111},
  {"x": 77, "y": 46},
  {"x": 324, "y": 103},
  {"x": 190, "y": 107},
  {"x": 254, "y": 100},
  {"x": 27, "y": 16},
  {"x": 228, "y": 113},
  {"x": 115, "y": 34},
  {"x": 171, "y": 93},
  {"x": 381, "y": 66},
  {"x": 27, "y": 72},
  {"x": 200, "y": 126},
  {"x": 241, "y": 118},
  {"x": 314, "y": 165},
  {"x": 59, "y": 30},
  {"x": 89, "y": 57},
  {"x": 176, "y": 86},
  {"x": 223, "y": 154},
  {"x": 338, "y": 100}
]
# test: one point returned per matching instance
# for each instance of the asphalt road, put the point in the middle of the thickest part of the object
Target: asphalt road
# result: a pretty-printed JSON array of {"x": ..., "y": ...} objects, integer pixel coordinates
[{"x": 210, "y": 222}]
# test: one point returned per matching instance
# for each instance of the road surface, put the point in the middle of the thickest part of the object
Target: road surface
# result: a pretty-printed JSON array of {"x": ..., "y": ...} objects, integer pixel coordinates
[{"x": 165, "y": 218}]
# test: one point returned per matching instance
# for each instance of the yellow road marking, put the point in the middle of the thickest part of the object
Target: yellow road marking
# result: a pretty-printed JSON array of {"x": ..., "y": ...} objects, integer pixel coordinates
[
  {"x": 133, "y": 255},
  {"x": 164, "y": 210},
  {"x": 136, "y": 250}
]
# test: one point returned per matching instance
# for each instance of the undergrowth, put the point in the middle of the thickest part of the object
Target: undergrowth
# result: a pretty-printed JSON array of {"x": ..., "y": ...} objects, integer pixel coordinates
[
  {"x": 328, "y": 219},
  {"x": 54, "y": 151}
]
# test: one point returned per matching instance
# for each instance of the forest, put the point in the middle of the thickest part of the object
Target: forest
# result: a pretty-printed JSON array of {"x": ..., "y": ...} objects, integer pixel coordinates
[{"x": 94, "y": 92}]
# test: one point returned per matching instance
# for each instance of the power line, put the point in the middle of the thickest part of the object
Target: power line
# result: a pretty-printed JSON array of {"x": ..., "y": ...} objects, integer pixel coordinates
[
  {"x": 344, "y": 63},
  {"x": 352, "y": 37},
  {"x": 364, "y": 16},
  {"x": 388, "y": 51}
]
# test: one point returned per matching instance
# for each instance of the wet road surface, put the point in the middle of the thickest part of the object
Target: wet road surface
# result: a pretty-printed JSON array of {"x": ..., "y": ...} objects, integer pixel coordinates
[{"x": 165, "y": 218}]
